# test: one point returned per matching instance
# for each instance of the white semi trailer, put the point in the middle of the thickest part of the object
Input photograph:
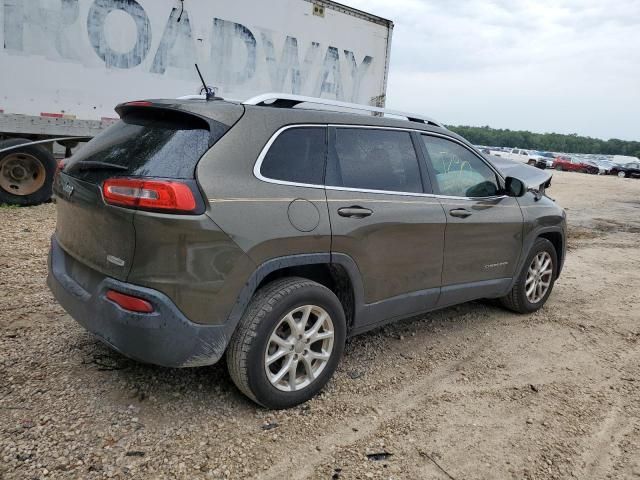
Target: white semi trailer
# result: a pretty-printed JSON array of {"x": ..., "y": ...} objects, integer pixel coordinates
[{"x": 65, "y": 64}]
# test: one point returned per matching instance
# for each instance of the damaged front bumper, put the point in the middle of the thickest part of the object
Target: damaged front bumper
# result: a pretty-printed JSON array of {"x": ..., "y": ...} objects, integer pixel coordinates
[{"x": 164, "y": 337}]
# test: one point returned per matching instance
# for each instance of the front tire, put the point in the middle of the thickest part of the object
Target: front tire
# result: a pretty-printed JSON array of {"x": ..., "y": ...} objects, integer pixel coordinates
[
  {"x": 288, "y": 343},
  {"x": 622, "y": 174},
  {"x": 535, "y": 282},
  {"x": 558, "y": 168}
]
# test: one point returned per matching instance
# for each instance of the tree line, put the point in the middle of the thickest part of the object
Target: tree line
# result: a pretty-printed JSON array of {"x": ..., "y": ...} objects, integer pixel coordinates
[{"x": 552, "y": 142}]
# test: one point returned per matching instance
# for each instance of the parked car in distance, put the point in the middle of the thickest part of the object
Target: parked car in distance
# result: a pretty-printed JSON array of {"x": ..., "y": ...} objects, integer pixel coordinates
[
  {"x": 281, "y": 231},
  {"x": 545, "y": 160},
  {"x": 624, "y": 159},
  {"x": 627, "y": 170},
  {"x": 569, "y": 164},
  {"x": 517, "y": 154},
  {"x": 530, "y": 157},
  {"x": 603, "y": 166},
  {"x": 535, "y": 158}
]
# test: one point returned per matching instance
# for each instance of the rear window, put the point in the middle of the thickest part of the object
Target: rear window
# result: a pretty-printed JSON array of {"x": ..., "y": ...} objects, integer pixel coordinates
[{"x": 147, "y": 145}]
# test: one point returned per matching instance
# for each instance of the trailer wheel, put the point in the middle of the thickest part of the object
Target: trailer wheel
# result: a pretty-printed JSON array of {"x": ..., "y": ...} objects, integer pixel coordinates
[{"x": 26, "y": 173}]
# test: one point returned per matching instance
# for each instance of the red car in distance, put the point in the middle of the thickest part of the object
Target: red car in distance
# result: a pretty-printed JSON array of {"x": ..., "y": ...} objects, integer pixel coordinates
[{"x": 569, "y": 164}]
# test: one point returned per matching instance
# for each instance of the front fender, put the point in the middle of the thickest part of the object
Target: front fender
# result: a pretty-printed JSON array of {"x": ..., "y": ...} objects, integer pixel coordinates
[{"x": 542, "y": 217}]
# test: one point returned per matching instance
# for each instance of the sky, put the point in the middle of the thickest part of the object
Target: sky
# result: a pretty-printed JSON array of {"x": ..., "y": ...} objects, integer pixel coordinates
[{"x": 564, "y": 66}]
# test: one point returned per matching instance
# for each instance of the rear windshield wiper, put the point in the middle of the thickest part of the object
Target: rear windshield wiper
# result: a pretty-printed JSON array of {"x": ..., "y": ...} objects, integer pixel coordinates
[{"x": 97, "y": 166}]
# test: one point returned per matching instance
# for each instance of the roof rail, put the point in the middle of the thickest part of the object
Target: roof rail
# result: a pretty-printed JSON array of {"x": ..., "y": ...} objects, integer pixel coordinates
[
  {"x": 192, "y": 97},
  {"x": 284, "y": 100}
]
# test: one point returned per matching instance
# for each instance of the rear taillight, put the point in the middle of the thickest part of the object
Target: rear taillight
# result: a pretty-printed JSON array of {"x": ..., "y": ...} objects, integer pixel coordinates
[
  {"x": 129, "y": 302},
  {"x": 160, "y": 195}
]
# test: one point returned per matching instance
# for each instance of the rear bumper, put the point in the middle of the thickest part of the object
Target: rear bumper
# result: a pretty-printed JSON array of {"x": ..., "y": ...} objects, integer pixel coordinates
[{"x": 165, "y": 337}]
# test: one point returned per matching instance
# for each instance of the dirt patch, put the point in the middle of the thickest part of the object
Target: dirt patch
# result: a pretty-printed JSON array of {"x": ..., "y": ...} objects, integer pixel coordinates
[
  {"x": 608, "y": 225},
  {"x": 468, "y": 392},
  {"x": 577, "y": 236}
]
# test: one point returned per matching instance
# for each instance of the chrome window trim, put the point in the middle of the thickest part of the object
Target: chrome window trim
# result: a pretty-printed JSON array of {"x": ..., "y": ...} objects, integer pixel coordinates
[{"x": 263, "y": 153}]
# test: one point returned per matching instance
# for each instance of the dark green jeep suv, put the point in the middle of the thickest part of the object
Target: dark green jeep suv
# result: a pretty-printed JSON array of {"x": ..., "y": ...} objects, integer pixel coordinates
[{"x": 270, "y": 233}]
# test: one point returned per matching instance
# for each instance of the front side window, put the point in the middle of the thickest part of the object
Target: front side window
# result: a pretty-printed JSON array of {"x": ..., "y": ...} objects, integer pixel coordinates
[
  {"x": 458, "y": 172},
  {"x": 297, "y": 155},
  {"x": 374, "y": 159}
]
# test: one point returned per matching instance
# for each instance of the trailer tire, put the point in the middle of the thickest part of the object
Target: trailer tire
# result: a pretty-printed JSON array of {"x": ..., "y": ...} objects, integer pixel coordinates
[{"x": 26, "y": 174}]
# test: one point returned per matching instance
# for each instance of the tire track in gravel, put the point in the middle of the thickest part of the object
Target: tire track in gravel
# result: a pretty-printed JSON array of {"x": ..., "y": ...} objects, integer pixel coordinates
[
  {"x": 438, "y": 381},
  {"x": 405, "y": 400},
  {"x": 602, "y": 448}
]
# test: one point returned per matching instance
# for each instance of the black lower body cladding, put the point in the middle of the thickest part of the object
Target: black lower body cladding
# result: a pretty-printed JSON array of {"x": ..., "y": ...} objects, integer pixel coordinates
[{"x": 165, "y": 337}]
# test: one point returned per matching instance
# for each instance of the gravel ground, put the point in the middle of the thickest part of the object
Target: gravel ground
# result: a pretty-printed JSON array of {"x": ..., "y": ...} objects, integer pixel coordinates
[{"x": 467, "y": 392}]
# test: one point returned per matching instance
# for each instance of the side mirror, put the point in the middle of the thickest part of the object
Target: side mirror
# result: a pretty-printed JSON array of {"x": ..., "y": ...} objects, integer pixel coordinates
[{"x": 515, "y": 187}]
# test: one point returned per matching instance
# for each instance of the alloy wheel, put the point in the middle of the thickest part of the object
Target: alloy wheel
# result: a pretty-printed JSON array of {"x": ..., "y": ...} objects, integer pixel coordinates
[
  {"x": 299, "y": 348},
  {"x": 539, "y": 277}
]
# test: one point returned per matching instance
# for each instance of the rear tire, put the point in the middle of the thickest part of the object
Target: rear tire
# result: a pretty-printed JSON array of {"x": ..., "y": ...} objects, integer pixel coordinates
[
  {"x": 26, "y": 173},
  {"x": 308, "y": 363},
  {"x": 622, "y": 174},
  {"x": 558, "y": 168},
  {"x": 518, "y": 299}
]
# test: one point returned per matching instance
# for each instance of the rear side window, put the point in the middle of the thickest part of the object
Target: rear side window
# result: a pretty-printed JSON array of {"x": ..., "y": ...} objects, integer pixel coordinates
[
  {"x": 297, "y": 155},
  {"x": 374, "y": 159},
  {"x": 145, "y": 145}
]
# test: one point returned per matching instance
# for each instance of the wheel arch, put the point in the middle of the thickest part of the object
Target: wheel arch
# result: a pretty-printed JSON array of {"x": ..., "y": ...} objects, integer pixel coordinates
[
  {"x": 555, "y": 234},
  {"x": 557, "y": 240},
  {"x": 337, "y": 272}
]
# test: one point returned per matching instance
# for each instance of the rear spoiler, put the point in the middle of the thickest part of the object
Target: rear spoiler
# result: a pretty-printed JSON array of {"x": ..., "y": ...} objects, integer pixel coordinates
[
  {"x": 159, "y": 107},
  {"x": 124, "y": 109}
]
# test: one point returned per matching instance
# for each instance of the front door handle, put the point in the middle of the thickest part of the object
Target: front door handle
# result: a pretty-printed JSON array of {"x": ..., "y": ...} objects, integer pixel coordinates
[
  {"x": 354, "y": 212},
  {"x": 460, "y": 212}
]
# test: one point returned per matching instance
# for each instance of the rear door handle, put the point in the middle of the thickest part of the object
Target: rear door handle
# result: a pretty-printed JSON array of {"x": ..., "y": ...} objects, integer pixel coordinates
[
  {"x": 460, "y": 212},
  {"x": 354, "y": 212}
]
